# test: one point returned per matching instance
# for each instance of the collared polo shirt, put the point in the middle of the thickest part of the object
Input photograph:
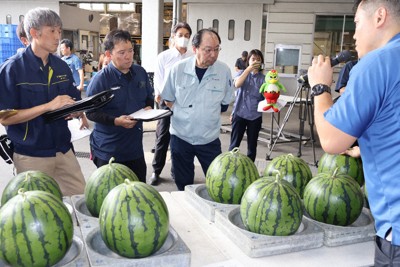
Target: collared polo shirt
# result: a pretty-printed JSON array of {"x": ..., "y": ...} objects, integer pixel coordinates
[
  {"x": 133, "y": 93},
  {"x": 369, "y": 110},
  {"x": 248, "y": 96},
  {"x": 74, "y": 63},
  {"x": 26, "y": 83}
]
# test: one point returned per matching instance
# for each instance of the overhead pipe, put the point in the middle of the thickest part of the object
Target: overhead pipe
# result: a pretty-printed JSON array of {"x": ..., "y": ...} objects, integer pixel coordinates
[{"x": 176, "y": 12}]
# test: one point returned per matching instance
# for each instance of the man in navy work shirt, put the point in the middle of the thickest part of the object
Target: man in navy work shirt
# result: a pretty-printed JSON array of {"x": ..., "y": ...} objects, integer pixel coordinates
[
  {"x": 33, "y": 82},
  {"x": 115, "y": 134},
  {"x": 368, "y": 111},
  {"x": 197, "y": 89}
]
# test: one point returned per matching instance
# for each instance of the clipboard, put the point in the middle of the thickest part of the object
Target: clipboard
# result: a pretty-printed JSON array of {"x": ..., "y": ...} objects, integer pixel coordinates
[
  {"x": 89, "y": 103},
  {"x": 150, "y": 114}
]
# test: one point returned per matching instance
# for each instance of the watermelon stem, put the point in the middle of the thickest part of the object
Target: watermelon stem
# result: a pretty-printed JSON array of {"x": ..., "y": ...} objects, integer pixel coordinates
[
  {"x": 127, "y": 181},
  {"x": 27, "y": 176},
  {"x": 235, "y": 150},
  {"x": 335, "y": 172},
  {"x": 111, "y": 160},
  {"x": 277, "y": 176},
  {"x": 21, "y": 192}
]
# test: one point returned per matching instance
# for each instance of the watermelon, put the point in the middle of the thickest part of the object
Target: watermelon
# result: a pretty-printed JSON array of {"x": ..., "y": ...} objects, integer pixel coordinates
[
  {"x": 334, "y": 198},
  {"x": 31, "y": 180},
  {"x": 346, "y": 164},
  {"x": 36, "y": 229},
  {"x": 229, "y": 175},
  {"x": 102, "y": 180},
  {"x": 134, "y": 220},
  {"x": 271, "y": 206},
  {"x": 293, "y": 169}
]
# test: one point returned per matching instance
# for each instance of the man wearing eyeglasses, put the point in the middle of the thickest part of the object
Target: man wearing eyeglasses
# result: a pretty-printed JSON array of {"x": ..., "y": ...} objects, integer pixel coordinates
[{"x": 197, "y": 89}]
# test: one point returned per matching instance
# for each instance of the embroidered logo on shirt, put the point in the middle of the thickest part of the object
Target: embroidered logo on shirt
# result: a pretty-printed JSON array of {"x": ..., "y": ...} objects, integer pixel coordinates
[
  {"x": 142, "y": 84},
  {"x": 62, "y": 77}
]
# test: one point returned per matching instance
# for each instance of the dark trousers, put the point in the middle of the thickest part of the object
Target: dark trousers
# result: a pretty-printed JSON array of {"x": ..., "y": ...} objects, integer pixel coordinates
[
  {"x": 138, "y": 166},
  {"x": 252, "y": 129},
  {"x": 183, "y": 153},
  {"x": 162, "y": 142},
  {"x": 386, "y": 254}
]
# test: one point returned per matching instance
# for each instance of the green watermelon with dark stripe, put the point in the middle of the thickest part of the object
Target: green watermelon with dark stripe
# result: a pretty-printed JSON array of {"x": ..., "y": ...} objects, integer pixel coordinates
[
  {"x": 333, "y": 198},
  {"x": 271, "y": 206},
  {"x": 229, "y": 175},
  {"x": 31, "y": 180},
  {"x": 134, "y": 220},
  {"x": 36, "y": 229},
  {"x": 102, "y": 181},
  {"x": 293, "y": 169},
  {"x": 346, "y": 164}
]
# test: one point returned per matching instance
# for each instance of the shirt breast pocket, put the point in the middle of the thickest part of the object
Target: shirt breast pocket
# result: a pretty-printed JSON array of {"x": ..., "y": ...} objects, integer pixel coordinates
[
  {"x": 215, "y": 95},
  {"x": 36, "y": 95},
  {"x": 185, "y": 95}
]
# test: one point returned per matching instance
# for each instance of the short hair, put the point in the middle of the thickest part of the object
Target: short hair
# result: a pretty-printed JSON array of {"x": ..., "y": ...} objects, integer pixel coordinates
[
  {"x": 255, "y": 52},
  {"x": 116, "y": 36},
  {"x": 245, "y": 54},
  {"x": 39, "y": 17},
  {"x": 181, "y": 25},
  {"x": 20, "y": 30},
  {"x": 67, "y": 43},
  {"x": 198, "y": 37},
  {"x": 393, "y": 6}
]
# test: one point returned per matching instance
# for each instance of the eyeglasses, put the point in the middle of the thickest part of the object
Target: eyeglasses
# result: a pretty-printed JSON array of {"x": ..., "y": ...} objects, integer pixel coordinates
[{"x": 209, "y": 50}]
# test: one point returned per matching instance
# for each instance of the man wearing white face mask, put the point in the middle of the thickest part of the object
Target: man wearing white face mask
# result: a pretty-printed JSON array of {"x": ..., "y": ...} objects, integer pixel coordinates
[{"x": 180, "y": 34}]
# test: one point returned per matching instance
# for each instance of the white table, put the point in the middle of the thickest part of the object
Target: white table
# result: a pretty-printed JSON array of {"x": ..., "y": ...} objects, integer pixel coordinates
[{"x": 210, "y": 247}]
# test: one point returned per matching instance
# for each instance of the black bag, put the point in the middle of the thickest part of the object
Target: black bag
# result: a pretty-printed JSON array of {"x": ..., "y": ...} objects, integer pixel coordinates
[{"x": 6, "y": 149}]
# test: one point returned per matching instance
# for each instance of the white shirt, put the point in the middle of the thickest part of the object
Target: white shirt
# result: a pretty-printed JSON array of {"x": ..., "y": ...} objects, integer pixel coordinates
[{"x": 165, "y": 61}]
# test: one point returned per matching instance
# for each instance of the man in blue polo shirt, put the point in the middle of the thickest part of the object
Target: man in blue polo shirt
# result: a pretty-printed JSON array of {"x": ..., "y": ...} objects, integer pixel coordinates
[
  {"x": 74, "y": 63},
  {"x": 34, "y": 82},
  {"x": 115, "y": 134},
  {"x": 368, "y": 110}
]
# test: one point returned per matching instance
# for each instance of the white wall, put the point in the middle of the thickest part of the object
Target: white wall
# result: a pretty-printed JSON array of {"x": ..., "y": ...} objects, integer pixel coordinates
[
  {"x": 17, "y": 8},
  {"x": 231, "y": 49}
]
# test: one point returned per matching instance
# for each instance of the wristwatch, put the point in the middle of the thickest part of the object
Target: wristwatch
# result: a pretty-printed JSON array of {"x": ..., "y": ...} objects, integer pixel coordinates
[{"x": 319, "y": 89}]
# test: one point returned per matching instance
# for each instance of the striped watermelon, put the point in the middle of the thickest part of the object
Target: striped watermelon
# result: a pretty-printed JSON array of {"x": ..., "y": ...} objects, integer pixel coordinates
[
  {"x": 293, "y": 169},
  {"x": 333, "y": 198},
  {"x": 271, "y": 206},
  {"x": 134, "y": 220},
  {"x": 31, "y": 180},
  {"x": 229, "y": 175},
  {"x": 346, "y": 164},
  {"x": 102, "y": 181},
  {"x": 35, "y": 229}
]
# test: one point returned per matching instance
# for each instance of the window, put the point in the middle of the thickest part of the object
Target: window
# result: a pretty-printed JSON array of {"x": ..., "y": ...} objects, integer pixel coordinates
[
  {"x": 215, "y": 25},
  {"x": 334, "y": 34},
  {"x": 199, "y": 24},
  {"x": 287, "y": 59},
  {"x": 231, "y": 29},
  {"x": 247, "y": 30}
]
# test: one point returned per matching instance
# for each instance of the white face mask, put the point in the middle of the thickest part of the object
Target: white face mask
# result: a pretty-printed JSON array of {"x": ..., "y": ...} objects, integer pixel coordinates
[{"x": 182, "y": 42}]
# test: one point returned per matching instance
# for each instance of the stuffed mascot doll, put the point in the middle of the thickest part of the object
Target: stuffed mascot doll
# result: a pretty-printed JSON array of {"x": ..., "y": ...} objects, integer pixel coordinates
[{"x": 271, "y": 90}]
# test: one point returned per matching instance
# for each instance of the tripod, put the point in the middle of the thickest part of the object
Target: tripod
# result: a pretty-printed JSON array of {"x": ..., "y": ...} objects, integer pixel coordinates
[{"x": 306, "y": 109}]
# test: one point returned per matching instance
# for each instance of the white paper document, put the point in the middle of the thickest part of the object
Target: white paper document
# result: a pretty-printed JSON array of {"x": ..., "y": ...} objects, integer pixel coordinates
[
  {"x": 77, "y": 133},
  {"x": 150, "y": 114}
]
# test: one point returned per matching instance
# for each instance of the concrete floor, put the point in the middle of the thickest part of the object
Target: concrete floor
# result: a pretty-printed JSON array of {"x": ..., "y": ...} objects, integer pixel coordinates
[{"x": 167, "y": 184}]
